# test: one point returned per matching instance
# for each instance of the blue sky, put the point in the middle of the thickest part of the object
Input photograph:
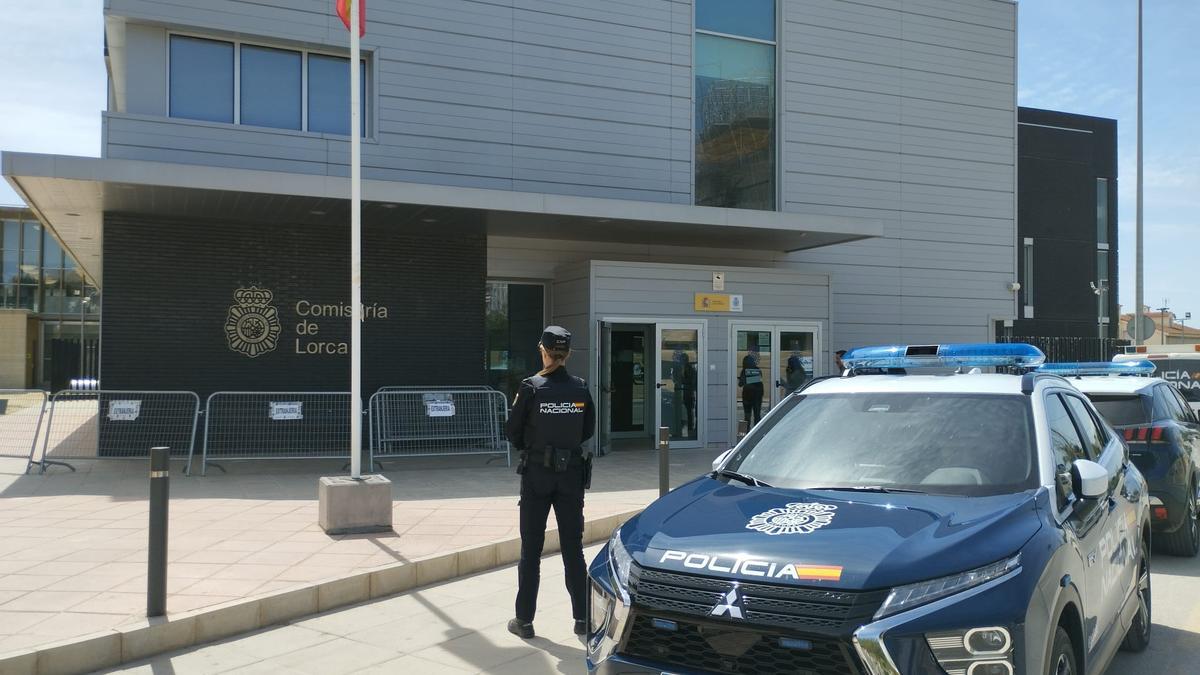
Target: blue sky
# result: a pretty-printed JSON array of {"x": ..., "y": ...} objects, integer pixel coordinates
[{"x": 1075, "y": 55}]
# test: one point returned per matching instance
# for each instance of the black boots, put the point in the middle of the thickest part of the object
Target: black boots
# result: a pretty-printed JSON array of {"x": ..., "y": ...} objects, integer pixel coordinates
[
  {"x": 580, "y": 627},
  {"x": 521, "y": 629}
]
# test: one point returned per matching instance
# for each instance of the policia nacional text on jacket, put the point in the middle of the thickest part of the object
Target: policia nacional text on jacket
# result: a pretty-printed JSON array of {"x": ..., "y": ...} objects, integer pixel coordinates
[{"x": 552, "y": 417}]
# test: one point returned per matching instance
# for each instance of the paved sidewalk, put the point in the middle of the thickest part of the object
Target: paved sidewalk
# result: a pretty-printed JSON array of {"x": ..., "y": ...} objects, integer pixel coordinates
[
  {"x": 455, "y": 627},
  {"x": 73, "y": 545}
]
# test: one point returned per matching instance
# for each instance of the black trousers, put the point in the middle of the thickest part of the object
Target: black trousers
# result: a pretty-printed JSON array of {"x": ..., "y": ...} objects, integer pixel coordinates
[
  {"x": 752, "y": 398},
  {"x": 541, "y": 490}
]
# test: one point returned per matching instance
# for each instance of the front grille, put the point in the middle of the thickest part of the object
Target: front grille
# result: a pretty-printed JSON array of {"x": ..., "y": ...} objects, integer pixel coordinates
[
  {"x": 724, "y": 649},
  {"x": 829, "y": 613}
]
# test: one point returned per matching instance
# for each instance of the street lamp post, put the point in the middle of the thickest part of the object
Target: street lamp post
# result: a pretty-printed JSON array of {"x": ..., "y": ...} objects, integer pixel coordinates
[{"x": 1137, "y": 319}]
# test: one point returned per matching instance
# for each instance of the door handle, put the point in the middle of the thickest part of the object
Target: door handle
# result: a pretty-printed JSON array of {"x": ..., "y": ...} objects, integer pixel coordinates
[{"x": 659, "y": 385}]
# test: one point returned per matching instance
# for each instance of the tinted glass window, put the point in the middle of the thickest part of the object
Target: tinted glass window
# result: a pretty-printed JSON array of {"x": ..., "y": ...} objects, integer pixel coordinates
[
  {"x": 735, "y": 123},
  {"x": 1171, "y": 406},
  {"x": 946, "y": 443},
  {"x": 1162, "y": 405},
  {"x": 271, "y": 87},
  {"x": 748, "y": 18},
  {"x": 1187, "y": 414},
  {"x": 1102, "y": 213},
  {"x": 1064, "y": 437},
  {"x": 515, "y": 317},
  {"x": 201, "y": 79},
  {"x": 329, "y": 94},
  {"x": 1093, "y": 436},
  {"x": 1122, "y": 410},
  {"x": 10, "y": 255}
]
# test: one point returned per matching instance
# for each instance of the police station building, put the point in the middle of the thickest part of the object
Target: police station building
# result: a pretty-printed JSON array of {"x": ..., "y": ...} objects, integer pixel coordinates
[{"x": 683, "y": 184}]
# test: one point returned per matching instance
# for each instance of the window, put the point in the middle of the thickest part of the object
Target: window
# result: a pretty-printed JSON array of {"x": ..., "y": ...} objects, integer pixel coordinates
[
  {"x": 1093, "y": 436},
  {"x": 1122, "y": 410},
  {"x": 1027, "y": 276},
  {"x": 1163, "y": 404},
  {"x": 834, "y": 440},
  {"x": 237, "y": 83},
  {"x": 1102, "y": 211},
  {"x": 329, "y": 94},
  {"x": 270, "y": 88},
  {"x": 1065, "y": 443},
  {"x": 1188, "y": 415},
  {"x": 515, "y": 317},
  {"x": 201, "y": 79},
  {"x": 1102, "y": 289},
  {"x": 735, "y": 104}
]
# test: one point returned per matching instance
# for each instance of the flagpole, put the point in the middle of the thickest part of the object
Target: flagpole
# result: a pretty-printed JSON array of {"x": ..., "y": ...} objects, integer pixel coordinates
[{"x": 355, "y": 253}]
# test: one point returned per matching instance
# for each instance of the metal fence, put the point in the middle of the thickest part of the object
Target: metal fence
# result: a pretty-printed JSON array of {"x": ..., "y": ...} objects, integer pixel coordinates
[
  {"x": 21, "y": 413},
  {"x": 426, "y": 422},
  {"x": 276, "y": 425},
  {"x": 118, "y": 424},
  {"x": 1066, "y": 349}
]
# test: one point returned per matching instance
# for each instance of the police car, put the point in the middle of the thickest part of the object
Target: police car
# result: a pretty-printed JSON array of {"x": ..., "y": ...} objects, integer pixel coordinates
[
  {"x": 1163, "y": 434},
  {"x": 968, "y": 523}
]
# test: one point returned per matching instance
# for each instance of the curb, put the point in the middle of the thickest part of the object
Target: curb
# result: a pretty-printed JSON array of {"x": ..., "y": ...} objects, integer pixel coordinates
[{"x": 150, "y": 637}]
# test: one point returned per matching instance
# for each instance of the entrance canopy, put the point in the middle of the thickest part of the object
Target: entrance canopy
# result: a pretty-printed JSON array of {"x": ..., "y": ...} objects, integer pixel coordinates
[{"x": 71, "y": 195}]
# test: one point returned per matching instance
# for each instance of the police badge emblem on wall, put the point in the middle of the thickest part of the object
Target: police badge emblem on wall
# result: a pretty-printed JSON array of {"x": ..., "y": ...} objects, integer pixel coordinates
[{"x": 252, "y": 327}]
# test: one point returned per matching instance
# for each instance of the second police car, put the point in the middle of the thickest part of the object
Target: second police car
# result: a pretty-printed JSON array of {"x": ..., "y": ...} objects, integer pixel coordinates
[
  {"x": 918, "y": 524},
  {"x": 1163, "y": 435}
]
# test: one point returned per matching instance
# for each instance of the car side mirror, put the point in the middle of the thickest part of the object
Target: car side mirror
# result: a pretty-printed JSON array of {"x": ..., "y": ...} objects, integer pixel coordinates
[
  {"x": 1089, "y": 479},
  {"x": 721, "y": 459}
]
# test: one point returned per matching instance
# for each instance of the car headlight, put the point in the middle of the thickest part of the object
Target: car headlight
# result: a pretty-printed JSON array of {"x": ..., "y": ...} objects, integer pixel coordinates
[
  {"x": 977, "y": 651},
  {"x": 621, "y": 563},
  {"x": 912, "y": 595}
]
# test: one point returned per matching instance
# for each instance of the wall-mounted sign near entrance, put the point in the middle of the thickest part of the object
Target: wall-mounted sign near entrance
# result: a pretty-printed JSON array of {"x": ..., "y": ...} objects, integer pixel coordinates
[
  {"x": 287, "y": 410},
  {"x": 717, "y": 302},
  {"x": 252, "y": 326},
  {"x": 124, "y": 411}
]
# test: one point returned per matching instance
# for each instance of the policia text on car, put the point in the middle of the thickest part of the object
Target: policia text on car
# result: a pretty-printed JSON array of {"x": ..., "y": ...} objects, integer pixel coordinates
[{"x": 552, "y": 417}]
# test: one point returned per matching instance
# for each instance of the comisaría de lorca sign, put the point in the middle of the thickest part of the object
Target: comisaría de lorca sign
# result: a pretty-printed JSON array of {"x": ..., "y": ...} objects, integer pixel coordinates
[{"x": 252, "y": 325}]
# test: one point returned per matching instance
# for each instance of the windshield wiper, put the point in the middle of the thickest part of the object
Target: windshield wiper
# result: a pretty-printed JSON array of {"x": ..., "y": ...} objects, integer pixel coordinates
[
  {"x": 866, "y": 488},
  {"x": 748, "y": 480}
]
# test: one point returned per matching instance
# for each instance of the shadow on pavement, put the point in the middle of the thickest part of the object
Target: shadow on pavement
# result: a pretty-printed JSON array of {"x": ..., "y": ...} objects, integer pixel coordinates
[
  {"x": 1171, "y": 651},
  {"x": 1176, "y": 566}
]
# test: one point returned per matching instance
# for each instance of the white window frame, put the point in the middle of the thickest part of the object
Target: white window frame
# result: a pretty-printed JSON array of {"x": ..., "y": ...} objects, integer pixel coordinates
[{"x": 367, "y": 97}]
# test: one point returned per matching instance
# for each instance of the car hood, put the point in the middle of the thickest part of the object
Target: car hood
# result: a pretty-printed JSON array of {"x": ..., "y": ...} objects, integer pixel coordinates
[{"x": 848, "y": 540}]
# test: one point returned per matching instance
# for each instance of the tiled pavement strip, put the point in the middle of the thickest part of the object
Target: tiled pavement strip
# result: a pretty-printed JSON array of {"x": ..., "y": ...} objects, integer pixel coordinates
[
  {"x": 454, "y": 627},
  {"x": 73, "y": 545}
]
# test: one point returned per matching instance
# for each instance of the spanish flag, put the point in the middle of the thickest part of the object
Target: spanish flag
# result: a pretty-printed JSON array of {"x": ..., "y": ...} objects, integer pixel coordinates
[{"x": 343, "y": 12}]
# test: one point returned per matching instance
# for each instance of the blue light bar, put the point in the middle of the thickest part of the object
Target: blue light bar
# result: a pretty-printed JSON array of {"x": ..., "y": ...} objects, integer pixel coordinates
[
  {"x": 982, "y": 355},
  {"x": 1139, "y": 367}
]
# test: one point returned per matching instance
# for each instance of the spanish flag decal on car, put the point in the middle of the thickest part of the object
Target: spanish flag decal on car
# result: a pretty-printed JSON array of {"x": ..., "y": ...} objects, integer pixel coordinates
[{"x": 819, "y": 572}]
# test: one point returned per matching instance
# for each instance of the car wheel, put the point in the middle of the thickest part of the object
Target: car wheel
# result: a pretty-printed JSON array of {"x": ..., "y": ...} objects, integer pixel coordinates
[
  {"x": 1062, "y": 655},
  {"x": 1185, "y": 541},
  {"x": 1138, "y": 637}
]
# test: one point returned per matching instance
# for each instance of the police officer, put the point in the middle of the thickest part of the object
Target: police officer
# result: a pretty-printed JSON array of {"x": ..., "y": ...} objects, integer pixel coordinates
[{"x": 552, "y": 417}]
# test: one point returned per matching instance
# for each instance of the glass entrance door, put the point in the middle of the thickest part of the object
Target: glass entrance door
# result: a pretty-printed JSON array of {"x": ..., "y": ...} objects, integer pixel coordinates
[
  {"x": 768, "y": 361},
  {"x": 679, "y": 380}
]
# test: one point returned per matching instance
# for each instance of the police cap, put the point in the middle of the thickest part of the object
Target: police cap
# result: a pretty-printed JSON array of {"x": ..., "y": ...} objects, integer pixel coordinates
[{"x": 556, "y": 338}]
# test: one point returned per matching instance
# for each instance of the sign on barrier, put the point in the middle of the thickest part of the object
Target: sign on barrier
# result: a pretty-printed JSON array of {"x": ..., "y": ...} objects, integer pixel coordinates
[
  {"x": 241, "y": 425},
  {"x": 101, "y": 424},
  {"x": 416, "y": 423},
  {"x": 21, "y": 414}
]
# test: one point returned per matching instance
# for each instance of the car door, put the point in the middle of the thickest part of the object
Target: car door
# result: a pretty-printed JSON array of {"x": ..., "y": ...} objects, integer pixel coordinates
[
  {"x": 1084, "y": 520},
  {"x": 1189, "y": 428},
  {"x": 1116, "y": 550}
]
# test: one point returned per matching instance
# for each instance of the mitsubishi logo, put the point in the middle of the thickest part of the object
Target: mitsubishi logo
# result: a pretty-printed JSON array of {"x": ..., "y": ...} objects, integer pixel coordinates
[{"x": 732, "y": 605}]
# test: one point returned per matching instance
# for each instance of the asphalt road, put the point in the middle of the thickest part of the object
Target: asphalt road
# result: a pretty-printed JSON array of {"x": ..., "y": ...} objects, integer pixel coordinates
[{"x": 1175, "y": 638}]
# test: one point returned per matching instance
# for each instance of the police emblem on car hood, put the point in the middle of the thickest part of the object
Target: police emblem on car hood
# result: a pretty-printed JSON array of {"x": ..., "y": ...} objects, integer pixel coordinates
[{"x": 795, "y": 518}]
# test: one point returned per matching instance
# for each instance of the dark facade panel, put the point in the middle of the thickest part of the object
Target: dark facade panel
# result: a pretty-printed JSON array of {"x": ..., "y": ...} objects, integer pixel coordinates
[
  {"x": 1061, "y": 159},
  {"x": 187, "y": 306}
]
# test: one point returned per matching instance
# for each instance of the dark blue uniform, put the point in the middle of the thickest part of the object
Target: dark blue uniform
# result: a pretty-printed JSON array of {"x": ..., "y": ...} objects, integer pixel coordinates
[{"x": 552, "y": 417}]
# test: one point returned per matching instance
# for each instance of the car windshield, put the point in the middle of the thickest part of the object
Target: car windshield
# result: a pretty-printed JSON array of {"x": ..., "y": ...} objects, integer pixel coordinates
[
  {"x": 1121, "y": 410},
  {"x": 967, "y": 444}
]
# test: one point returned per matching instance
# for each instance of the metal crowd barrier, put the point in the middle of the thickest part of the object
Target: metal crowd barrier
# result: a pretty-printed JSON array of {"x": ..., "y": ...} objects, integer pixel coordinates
[
  {"x": 437, "y": 421},
  {"x": 242, "y": 425},
  {"x": 21, "y": 413},
  {"x": 101, "y": 424}
]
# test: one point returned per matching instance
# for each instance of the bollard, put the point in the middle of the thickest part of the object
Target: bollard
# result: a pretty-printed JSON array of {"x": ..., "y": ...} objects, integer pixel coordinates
[
  {"x": 743, "y": 429},
  {"x": 156, "y": 574},
  {"x": 664, "y": 460}
]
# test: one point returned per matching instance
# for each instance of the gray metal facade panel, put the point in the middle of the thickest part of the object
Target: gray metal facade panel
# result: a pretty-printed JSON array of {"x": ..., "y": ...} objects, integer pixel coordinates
[
  {"x": 905, "y": 110},
  {"x": 564, "y": 97}
]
